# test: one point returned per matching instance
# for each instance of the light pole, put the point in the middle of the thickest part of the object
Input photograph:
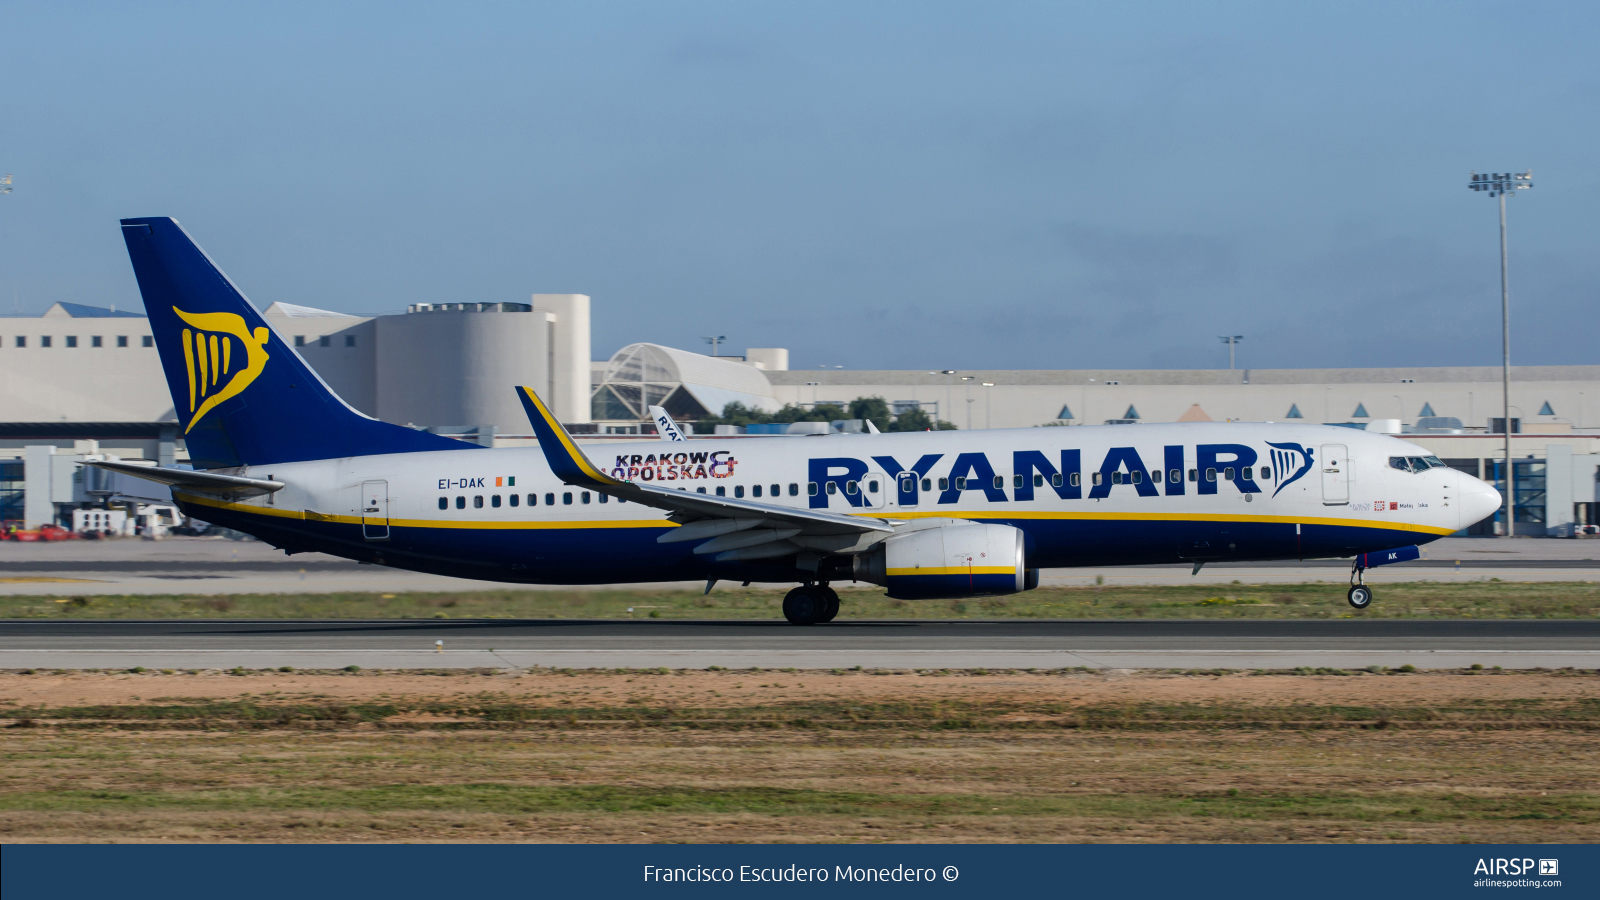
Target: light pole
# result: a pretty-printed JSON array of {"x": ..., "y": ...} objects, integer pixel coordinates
[
  {"x": 1231, "y": 340},
  {"x": 988, "y": 404},
  {"x": 714, "y": 341},
  {"x": 1500, "y": 186},
  {"x": 968, "y": 380},
  {"x": 949, "y": 391}
]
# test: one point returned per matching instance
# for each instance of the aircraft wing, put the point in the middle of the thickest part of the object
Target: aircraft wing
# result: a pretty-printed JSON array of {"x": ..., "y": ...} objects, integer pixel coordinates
[
  {"x": 195, "y": 481},
  {"x": 737, "y": 529}
]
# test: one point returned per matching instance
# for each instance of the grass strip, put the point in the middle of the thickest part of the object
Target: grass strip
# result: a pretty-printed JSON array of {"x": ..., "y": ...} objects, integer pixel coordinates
[
  {"x": 511, "y": 799},
  {"x": 1491, "y": 599}
]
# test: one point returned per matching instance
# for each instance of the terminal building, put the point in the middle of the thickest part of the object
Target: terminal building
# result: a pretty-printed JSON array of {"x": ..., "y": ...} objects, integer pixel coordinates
[{"x": 81, "y": 380}]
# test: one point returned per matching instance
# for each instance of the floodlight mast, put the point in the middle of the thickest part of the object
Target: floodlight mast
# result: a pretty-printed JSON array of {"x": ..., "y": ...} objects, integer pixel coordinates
[
  {"x": 1500, "y": 186},
  {"x": 714, "y": 340},
  {"x": 1231, "y": 340}
]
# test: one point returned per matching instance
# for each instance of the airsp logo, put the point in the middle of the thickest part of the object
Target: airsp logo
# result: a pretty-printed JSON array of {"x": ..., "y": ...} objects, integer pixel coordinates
[{"x": 209, "y": 355}]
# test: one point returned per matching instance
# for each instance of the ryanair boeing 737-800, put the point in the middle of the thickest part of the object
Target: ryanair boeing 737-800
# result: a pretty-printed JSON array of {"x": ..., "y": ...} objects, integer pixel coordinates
[{"x": 936, "y": 514}]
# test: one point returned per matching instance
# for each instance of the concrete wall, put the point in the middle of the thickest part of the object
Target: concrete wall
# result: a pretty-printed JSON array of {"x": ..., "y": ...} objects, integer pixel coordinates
[
  {"x": 83, "y": 383},
  {"x": 567, "y": 388},
  {"x": 460, "y": 368},
  {"x": 1022, "y": 398}
]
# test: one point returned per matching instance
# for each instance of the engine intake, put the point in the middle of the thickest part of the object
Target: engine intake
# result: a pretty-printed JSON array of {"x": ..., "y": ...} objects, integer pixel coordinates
[{"x": 950, "y": 561}]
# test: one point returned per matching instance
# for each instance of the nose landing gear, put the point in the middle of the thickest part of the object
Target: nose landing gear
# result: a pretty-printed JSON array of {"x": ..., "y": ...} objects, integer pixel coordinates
[
  {"x": 1360, "y": 596},
  {"x": 811, "y": 604}
]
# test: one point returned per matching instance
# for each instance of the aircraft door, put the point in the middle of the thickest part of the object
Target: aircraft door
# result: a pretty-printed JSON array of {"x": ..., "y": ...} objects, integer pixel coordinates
[
  {"x": 905, "y": 489},
  {"x": 877, "y": 489},
  {"x": 1335, "y": 475},
  {"x": 375, "y": 510}
]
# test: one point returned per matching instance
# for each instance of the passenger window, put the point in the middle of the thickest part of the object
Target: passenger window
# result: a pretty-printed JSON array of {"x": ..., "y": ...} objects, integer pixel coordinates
[
  {"x": 566, "y": 499},
  {"x": 550, "y": 499},
  {"x": 1227, "y": 474},
  {"x": 1211, "y": 474},
  {"x": 927, "y": 484},
  {"x": 755, "y": 490},
  {"x": 1076, "y": 479},
  {"x": 461, "y": 503},
  {"x": 494, "y": 501},
  {"x": 794, "y": 489},
  {"x": 850, "y": 487},
  {"x": 776, "y": 492},
  {"x": 738, "y": 490},
  {"x": 722, "y": 491},
  {"x": 944, "y": 484},
  {"x": 604, "y": 498},
  {"x": 1055, "y": 480},
  {"x": 961, "y": 483},
  {"x": 1266, "y": 473},
  {"x": 477, "y": 501},
  {"x": 1137, "y": 475},
  {"x": 1175, "y": 476},
  {"x": 999, "y": 482},
  {"x": 699, "y": 490},
  {"x": 514, "y": 499},
  {"x": 1193, "y": 473},
  {"x": 1016, "y": 481},
  {"x": 872, "y": 486},
  {"x": 1098, "y": 478},
  {"x": 533, "y": 499},
  {"x": 1155, "y": 476},
  {"x": 584, "y": 496},
  {"x": 444, "y": 502},
  {"x": 1116, "y": 477},
  {"x": 833, "y": 487}
]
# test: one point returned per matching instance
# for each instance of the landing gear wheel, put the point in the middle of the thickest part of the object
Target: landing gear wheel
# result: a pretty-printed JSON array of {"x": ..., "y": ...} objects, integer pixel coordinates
[
  {"x": 805, "y": 605},
  {"x": 833, "y": 603},
  {"x": 1360, "y": 596}
]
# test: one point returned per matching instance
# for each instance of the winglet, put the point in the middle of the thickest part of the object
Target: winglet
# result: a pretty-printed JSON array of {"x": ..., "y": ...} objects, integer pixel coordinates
[
  {"x": 566, "y": 460},
  {"x": 665, "y": 427}
]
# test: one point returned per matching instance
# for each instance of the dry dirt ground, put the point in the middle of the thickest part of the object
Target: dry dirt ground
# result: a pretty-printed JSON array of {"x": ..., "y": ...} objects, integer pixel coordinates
[{"x": 720, "y": 756}]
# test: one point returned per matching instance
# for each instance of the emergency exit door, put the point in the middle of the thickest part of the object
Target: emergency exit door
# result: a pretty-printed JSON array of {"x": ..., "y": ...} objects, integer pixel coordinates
[
  {"x": 375, "y": 510},
  {"x": 1335, "y": 475}
]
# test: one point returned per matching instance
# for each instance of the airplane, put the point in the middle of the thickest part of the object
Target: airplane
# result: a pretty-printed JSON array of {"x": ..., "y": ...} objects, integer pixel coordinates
[{"x": 927, "y": 515}]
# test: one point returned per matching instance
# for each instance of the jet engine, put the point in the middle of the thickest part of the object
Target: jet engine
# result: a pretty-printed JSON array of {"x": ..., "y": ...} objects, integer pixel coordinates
[{"x": 950, "y": 561}]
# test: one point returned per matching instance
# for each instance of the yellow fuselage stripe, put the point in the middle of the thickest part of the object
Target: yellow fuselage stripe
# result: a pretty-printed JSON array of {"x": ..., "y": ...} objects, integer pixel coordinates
[
  {"x": 951, "y": 570},
  {"x": 662, "y": 523}
]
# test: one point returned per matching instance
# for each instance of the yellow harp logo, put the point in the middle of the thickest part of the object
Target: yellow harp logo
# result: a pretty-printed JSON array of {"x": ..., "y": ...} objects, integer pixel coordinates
[{"x": 210, "y": 357}]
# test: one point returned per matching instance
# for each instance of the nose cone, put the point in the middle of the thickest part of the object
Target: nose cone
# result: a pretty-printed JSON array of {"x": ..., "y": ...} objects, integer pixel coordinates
[{"x": 1479, "y": 501}]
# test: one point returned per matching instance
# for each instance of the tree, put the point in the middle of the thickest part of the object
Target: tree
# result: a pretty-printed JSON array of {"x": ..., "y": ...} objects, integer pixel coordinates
[{"x": 874, "y": 409}]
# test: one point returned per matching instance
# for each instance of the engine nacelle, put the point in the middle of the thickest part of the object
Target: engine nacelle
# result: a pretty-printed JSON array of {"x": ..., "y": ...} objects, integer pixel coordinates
[{"x": 949, "y": 561}]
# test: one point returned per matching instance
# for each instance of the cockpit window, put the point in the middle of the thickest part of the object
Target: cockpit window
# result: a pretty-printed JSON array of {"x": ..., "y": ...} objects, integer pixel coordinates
[
  {"x": 1435, "y": 462},
  {"x": 1414, "y": 463},
  {"x": 1399, "y": 462}
]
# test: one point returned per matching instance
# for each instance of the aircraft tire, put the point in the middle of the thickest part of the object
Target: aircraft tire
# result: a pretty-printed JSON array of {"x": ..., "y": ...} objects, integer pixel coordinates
[
  {"x": 833, "y": 603},
  {"x": 1360, "y": 596},
  {"x": 805, "y": 605}
]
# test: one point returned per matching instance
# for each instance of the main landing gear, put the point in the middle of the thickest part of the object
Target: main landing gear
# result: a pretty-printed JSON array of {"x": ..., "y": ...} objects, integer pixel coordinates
[
  {"x": 811, "y": 604},
  {"x": 1360, "y": 595}
]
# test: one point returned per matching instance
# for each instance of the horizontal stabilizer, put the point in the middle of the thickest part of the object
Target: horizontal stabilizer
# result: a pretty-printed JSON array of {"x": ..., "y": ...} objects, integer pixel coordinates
[{"x": 195, "y": 481}]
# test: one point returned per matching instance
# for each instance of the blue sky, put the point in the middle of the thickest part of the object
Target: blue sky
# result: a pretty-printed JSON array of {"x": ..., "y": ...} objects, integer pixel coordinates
[{"x": 873, "y": 185}]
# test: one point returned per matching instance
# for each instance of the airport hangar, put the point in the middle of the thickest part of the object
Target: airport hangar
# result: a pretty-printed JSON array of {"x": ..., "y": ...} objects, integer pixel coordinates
[{"x": 82, "y": 380}]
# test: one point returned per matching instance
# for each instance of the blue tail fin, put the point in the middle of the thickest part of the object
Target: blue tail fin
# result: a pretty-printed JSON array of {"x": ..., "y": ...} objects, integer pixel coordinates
[{"x": 243, "y": 396}]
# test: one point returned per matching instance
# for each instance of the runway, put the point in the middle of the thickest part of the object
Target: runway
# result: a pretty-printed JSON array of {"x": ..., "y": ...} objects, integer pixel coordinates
[
  {"x": 1011, "y": 643},
  {"x": 212, "y": 566}
]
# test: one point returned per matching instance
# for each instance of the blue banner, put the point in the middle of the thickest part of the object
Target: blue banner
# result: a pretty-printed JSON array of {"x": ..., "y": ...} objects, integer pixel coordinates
[{"x": 351, "y": 872}]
